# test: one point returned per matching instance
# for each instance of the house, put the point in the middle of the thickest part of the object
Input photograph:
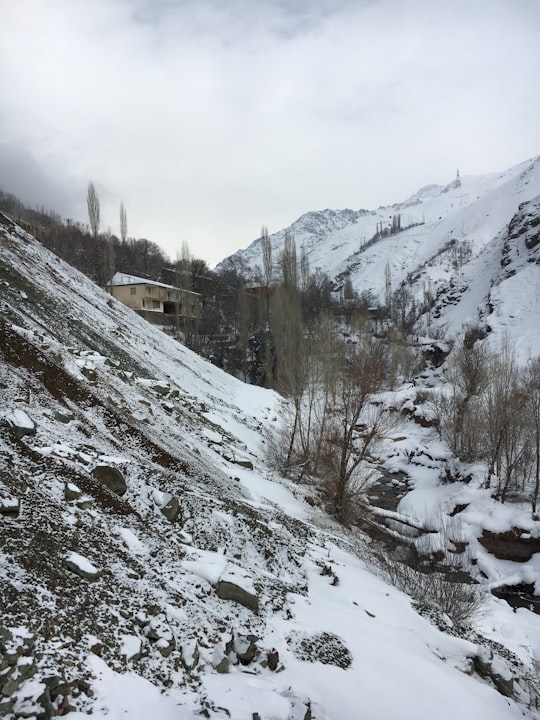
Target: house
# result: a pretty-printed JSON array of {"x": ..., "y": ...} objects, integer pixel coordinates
[{"x": 157, "y": 302}]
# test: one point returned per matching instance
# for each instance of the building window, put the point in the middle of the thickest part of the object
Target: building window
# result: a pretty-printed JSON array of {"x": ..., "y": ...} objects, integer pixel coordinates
[
  {"x": 156, "y": 304},
  {"x": 132, "y": 290}
]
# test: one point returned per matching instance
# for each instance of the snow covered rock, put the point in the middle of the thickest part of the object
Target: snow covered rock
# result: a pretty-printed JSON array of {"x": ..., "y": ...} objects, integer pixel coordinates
[
  {"x": 64, "y": 416},
  {"x": 236, "y": 585},
  {"x": 245, "y": 648},
  {"x": 491, "y": 666},
  {"x": 131, "y": 646},
  {"x": 10, "y": 506},
  {"x": 168, "y": 504},
  {"x": 21, "y": 423},
  {"x": 33, "y": 701},
  {"x": 82, "y": 567},
  {"x": 71, "y": 492}
]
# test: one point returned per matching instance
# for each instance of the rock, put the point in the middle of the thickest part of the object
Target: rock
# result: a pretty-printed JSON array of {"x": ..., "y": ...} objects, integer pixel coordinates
[
  {"x": 71, "y": 492},
  {"x": 514, "y": 544},
  {"x": 171, "y": 510},
  {"x": 64, "y": 416},
  {"x": 89, "y": 373},
  {"x": 190, "y": 655},
  {"x": 26, "y": 668},
  {"x": 244, "y": 463},
  {"x": 159, "y": 632},
  {"x": 21, "y": 423},
  {"x": 131, "y": 647},
  {"x": 234, "y": 584},
  {"x": 6, "y": 707},
  {"x": 52, "y": 682},
  {"x": 33, "y": 700},
  {"x": 168, "y": 504},
  {"x": 10, "y": 506},
  {"x": 85, "y": 502},
  {"x": 220, "y": 661},
  {"x": 245, "y": 647},
  {"x": 111, "y": 478},
  {"x": 494, "y": 668},
  {"x": 235, "y": 461},
  {"x": 272, "y": 659},
  {"x": 161, "y": 388},
  {"x": 6, "y": 636},
  {"x": 96, "y": 648},
  {"x": 82, "y": 567}
]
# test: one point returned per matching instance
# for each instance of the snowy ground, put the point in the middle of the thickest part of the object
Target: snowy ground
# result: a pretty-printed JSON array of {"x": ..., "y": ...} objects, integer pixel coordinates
[{"x": 91, "y": 384}]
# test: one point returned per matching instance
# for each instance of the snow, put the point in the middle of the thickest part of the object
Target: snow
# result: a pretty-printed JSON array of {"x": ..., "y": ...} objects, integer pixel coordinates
[
  {"x": 205, "y": 564},
  {"x": 131, "y": 541},
  {"x": 130, "y": 645},
  {"x": 127, "y": 695}
]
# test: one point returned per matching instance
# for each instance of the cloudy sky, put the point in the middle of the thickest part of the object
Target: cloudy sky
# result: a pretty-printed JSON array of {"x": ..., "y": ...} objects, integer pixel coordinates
[{"x": 209, "y": 118}]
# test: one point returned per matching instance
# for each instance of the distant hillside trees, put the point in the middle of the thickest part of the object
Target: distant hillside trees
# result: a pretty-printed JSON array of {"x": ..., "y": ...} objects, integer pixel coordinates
[{"x": 492, "y": 413}]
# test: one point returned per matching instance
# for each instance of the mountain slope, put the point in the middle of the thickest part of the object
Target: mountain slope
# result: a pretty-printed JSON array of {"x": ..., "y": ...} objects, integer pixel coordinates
[
  {"x": 151, "y": 565},
  {"x": 445, "y": 228}
]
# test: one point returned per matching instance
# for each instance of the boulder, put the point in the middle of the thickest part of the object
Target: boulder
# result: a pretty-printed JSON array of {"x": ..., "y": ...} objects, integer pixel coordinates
[
  {"x": 235, "y": 584},
  {"x": 273, "y": 659},
  {"x": 89, "y": 373},
  {"x": 21, "y": 423},
  {"x": 10, "y": 506},
  {"x": 82, "y": 567},
  {"x": 245, "y": 647},
  {"x": 168, "y": 504},
  {"x": 490, "y": 665},
  {"x": 220, "y": 661},
  {"x": 171, "y": 510},
  {"x": 64, "y": 416},
  {"x": 111, "y": 478},
  {"x": 190, "y": 655},
  {"x": 71, "y": 492}
]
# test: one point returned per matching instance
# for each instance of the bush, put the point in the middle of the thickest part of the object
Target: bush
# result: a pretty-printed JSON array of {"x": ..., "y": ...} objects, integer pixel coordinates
[
  {"x": 462, "y": 602},
  {"x": 444, "y": 582}
]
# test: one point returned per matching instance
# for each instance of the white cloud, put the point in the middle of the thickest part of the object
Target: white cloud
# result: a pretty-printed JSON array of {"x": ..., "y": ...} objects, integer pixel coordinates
[{"x": 211, "y": 118}]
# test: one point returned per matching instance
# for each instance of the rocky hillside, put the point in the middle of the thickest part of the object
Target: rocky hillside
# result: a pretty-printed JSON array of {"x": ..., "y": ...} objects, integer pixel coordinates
[{"x": 152, "y": 565}]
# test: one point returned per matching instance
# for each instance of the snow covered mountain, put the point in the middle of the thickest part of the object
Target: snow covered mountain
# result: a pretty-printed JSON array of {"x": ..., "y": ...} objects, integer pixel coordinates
[
  {"x": 152, "y": 565},
  {"x": 450, "y": 240}
]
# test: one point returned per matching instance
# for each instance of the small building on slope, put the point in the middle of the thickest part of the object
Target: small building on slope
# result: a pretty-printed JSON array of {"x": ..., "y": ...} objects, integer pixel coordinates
[{"x": 157, "y": 302}]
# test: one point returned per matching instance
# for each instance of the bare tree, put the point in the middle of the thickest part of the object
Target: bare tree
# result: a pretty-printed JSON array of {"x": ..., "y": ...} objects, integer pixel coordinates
[
  {"x": 289, "y": 267},
  {"x": 92, "y": 201},
  {"x": 532, "y": 385},
  {"x": 123, "y": 223},
  {"x": 109, "y": 259},
  {"x": 288, "y": 339},
  {"x": 354, "y": 427},
  {"x": 243, "y": 326},
  {"x": 267, "y": 256}
]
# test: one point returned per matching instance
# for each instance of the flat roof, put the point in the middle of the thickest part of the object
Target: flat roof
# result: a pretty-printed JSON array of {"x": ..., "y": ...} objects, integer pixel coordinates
[{"x": 119, "y": 279}]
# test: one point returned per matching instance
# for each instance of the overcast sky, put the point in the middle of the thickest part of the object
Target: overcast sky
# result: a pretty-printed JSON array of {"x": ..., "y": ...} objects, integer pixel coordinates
[{"x": 209, "y": 118}]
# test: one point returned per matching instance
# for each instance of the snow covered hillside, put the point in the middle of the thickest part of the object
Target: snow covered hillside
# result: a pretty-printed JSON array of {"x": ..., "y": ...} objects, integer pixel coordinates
[
  {"x": 445, "y": 246},
  {"x": 153, "y": 566}
]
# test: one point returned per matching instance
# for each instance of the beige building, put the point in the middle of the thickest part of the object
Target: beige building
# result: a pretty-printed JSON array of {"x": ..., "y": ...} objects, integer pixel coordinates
[{"x": 157, "y": 302}]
